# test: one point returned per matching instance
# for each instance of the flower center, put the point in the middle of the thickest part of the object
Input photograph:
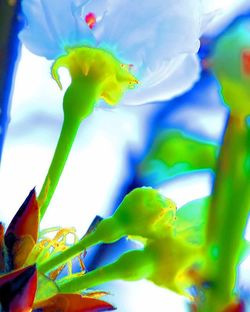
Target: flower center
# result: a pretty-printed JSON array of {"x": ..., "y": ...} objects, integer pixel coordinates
[
  {"x": 90, "y": 20},
  {"x": 98, "y": 67}
]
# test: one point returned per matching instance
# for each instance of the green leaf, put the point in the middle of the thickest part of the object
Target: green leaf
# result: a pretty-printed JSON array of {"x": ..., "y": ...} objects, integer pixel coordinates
[
  {"x": 174, "y": 153},
  {"x": 191, "y": 220},
  {"x": 46, "y": 288}
]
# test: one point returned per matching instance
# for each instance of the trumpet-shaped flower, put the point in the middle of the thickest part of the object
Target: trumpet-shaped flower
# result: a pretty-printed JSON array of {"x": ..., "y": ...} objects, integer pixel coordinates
[
  {"x": 158, "y": 41},
  {"x": 108, "y": 46}
]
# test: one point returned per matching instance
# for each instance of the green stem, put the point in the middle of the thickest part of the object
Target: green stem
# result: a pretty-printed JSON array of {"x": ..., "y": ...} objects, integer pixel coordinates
[
  {"x": 228, "y": 214},
  {"x": 78, "y": 103},
  {"x": 107, "y": 231},
  {"x": 66, "y": 139},
  {"x": 131, "y": 266},
  {"x": 71, "y": 252}
]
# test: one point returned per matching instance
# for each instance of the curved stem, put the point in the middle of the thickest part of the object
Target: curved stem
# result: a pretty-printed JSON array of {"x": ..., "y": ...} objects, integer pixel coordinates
[
  {"x": 131, "y": 266},
  {"x": 66, "y": 139},
  {"x": 78, "y": 103},
  {"x": 67, "y": 254}
]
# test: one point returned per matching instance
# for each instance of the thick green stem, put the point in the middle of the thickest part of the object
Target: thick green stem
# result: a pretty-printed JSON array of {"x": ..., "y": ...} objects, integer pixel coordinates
[
  {"x": 228, "y": 215},
  {"x": 131, "y": 266},
  {"x": 78, "y": 103},
  {"x": 66, "y": 139},
  {"x": 95, "y": 74}
]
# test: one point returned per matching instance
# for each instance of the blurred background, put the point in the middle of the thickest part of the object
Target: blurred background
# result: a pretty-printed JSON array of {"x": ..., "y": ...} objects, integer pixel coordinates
[{"x": 116, "y": 150}]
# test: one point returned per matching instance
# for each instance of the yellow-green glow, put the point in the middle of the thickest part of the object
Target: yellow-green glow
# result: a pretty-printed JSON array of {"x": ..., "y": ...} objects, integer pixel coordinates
[
  {"x": 96, "y": 74},
  {"x": 143, "y": 213},
  {"x": 99, "y": 67}
]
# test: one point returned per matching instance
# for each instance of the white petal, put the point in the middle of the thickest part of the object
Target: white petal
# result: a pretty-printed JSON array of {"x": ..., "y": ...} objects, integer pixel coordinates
[
  {"x": 158, "y": 39},
  {"x": 179, "y": 76},
  {"x": 52, "y": 25},
  {"x": 152, "y": 33}
]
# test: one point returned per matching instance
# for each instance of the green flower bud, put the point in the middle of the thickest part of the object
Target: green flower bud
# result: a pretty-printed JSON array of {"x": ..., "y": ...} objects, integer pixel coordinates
[{"x": 231, "y": 64}]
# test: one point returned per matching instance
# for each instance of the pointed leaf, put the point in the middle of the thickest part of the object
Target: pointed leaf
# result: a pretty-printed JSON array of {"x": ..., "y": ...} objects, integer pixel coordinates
[
  {"x": 17, "y": 289},
  {"x": 25, "y": 222},
  {"x": 22, "y": 232},
  {"x": 73, "y": 303}
]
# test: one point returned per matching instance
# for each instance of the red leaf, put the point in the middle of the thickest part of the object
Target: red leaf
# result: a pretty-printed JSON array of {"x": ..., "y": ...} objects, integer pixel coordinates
[
  {"x": 73, "y": 303},
  {"x": 2, "y": 258},
  {"x": 22, "y": 232},
  {"x": 17, "y": 289}
]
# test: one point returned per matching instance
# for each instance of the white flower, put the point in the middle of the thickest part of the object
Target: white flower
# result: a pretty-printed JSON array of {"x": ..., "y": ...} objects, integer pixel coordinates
[
  {"x": 158, "y": 38},
  {"x": 53, "y": 25}
]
